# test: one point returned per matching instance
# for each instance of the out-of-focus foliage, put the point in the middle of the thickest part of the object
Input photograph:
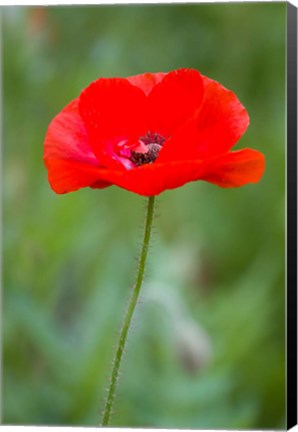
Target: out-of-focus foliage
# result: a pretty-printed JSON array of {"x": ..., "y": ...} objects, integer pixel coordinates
[{"x": 207, "y": 347}]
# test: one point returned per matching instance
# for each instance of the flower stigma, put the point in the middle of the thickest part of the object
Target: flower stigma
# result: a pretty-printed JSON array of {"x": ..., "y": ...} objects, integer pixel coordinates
[{"x": 150, "y": 145}]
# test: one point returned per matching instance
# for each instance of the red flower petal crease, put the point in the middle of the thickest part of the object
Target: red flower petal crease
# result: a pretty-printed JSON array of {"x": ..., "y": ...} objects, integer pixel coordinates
[{"x": 149, "y": 133}]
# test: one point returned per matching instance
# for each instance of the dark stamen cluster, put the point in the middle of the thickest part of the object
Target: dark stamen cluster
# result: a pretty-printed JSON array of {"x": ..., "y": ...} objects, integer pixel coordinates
[
  {"x": 154, "y": 142},
  {"x": 151, "y": 138}
]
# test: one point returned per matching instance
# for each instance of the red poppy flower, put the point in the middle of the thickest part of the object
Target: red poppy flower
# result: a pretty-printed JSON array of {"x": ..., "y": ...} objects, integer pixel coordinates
[{"x": 149, "y": 133}]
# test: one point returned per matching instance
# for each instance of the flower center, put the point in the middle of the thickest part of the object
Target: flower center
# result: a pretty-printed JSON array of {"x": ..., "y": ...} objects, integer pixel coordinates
[{"x": 150, "y": 145}]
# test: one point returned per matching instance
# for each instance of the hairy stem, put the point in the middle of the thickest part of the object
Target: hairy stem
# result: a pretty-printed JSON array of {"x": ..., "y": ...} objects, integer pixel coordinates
[{"x": 128, "y": 316}]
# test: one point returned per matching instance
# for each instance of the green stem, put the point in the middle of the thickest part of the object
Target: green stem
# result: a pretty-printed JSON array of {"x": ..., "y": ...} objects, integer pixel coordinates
[{"x": 129, "y": 314}]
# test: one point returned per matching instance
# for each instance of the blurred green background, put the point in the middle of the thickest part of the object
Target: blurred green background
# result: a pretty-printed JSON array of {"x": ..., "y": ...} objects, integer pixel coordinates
[{"x": 207, "y": 347}]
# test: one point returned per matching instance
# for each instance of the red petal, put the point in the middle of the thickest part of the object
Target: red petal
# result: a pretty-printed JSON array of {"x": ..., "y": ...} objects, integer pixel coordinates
[
  {"x": 229, "y": 170},
  {"x": 174, "y": 100},
  {"x": 68, "y": 176},
  {"x": 67, "y": 137},
  {"x": 219, "y": 124},
  {"x": 152, "y": 179},
  {"x": 235, "y": 169},
  {"x": 112, "y": 110},
  {"x": 146, "y": 81},
  {"x": 68, "y": 157}
]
